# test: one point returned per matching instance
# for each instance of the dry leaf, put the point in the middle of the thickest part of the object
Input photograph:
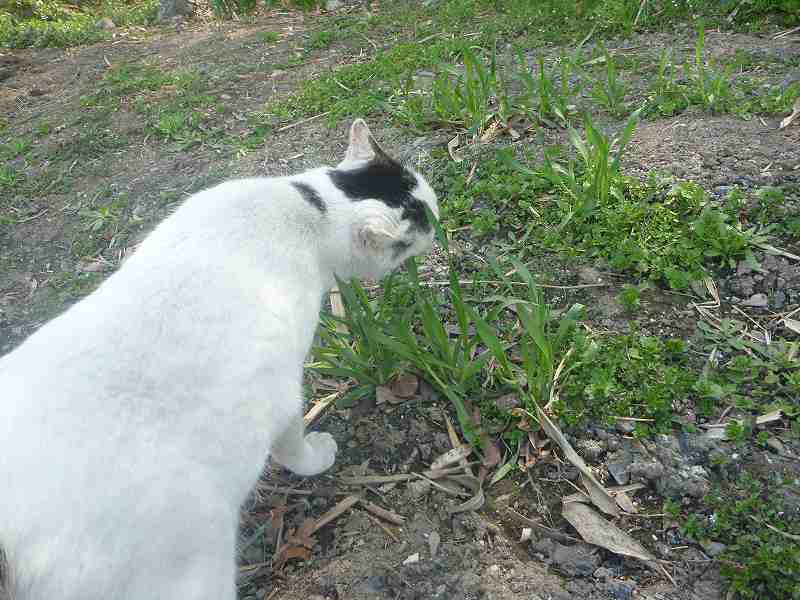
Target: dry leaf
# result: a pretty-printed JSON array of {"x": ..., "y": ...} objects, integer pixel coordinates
[
  {"x": 770, "y": 417},
  {"x": 451, "y": 149},
  {"x": 491, "y": 132},
  {"x": 594, "y": 529},
  {"x": 451, "y": 456},
  {"x": 795, "y": 113},
  {"x": 474, "y": 503},
  {"x": 337, "y": 309},
  {"x": 384, "y": 394},
  {"x": 625, "y": 503},
  {"x": 288, "y": 552},
  {"x": 405, "y": 386},
  {"x": 491, "y": 453},
  {"x": 599, "y": 495},
  {"x": 792, "y": 324}
]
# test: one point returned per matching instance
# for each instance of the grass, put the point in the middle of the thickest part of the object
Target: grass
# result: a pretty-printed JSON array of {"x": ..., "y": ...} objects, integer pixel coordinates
[{"x": 49, "y": 23}]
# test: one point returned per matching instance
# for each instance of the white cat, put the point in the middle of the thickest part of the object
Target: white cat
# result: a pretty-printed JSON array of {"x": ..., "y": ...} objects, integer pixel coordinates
[{"x": 133, "y": 426}]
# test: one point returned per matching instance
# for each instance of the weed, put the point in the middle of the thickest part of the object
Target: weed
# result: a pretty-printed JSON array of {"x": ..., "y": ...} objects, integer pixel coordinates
[
  {"x": 626, "y": 376},
  {"x": 100, "y": 218},
  {"x": 610, "y": 92},
  {"x": 320, "y": 40},
  {"x": 594, "y": 178},
  {"x": 761, "y": 556},
  {"x": 268, "y": 37},
  {"x": 10, "y": 177},
  {"x": 709, "y": 87},
  {"x": 549, "y": 97},
  {"x": 666, "y": 97},
  {"x": 225, "y": 8},
  {"x": 631, "y": 296}
]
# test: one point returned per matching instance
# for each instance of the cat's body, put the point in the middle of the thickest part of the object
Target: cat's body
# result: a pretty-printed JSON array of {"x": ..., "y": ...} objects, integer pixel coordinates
[{"x": 133, "y": 427}]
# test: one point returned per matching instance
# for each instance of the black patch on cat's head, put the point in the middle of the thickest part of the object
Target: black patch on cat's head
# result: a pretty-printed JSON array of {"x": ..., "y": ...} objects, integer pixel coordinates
[
  {"x": 387, "y": 181},
  {"x": 311, "y": 196}
]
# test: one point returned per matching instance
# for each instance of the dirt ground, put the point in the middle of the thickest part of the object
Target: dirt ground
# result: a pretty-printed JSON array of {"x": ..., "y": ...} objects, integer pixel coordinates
[{"x": 434, "y": 552}]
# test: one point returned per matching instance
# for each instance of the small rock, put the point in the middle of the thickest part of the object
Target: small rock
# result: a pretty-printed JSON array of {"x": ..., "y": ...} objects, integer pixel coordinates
[
  {"x": 418, "y": 489},
  {"x": 647, "y": 470},
  {"x": 591, "y": 449},
  {"x": 414, "y": 558},
  {"x": 434, "y": 539},
  {"x": 171, "y": 8},
  {"x": 332, "y": 5},
  {"x": 106, "y": 23},
  {"x": 603, "y": 573},
  {"x": 580, "y": 560},
  {"x": 626, "y": 427},
  {"x": 621, "y": 590},
  {"x": 714, "y": 549},
  {"x": 743, "y": 268},
  {"x": 756, "y": 301},
  {"x": 589, "y": 275},
  {"x": 276, "y": 73},
  {"x": 618, "y": 464},
  {"x": 779, "y": 300},
  {"x": 776, "y": 445},
  {"x": 94, "y": 266},
  {"x": 425, "y": 451},
  {"x": 34, "y": 92},
  {"x": 494, "y": 571}
]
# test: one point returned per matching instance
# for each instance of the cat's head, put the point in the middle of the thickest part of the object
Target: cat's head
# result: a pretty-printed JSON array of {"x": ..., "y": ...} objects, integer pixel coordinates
[{"x": 388, "y": 201}]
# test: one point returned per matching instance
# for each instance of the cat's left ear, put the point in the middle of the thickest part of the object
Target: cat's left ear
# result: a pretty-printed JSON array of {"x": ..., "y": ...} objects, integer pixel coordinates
[
  {"x": 376, "y": 234},
  {"x": 362, "y": 146}
]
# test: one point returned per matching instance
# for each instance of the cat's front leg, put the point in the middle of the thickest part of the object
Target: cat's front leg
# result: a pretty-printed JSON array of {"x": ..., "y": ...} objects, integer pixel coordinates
[{"x": 305, "y": 455}]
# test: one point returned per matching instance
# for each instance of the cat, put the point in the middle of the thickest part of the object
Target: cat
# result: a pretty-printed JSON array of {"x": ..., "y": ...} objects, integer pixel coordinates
[{"x": 134, "y": 425}]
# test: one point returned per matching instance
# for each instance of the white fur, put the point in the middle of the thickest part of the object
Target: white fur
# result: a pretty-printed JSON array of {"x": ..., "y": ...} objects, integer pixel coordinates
[{"x": 133, "y": 426}]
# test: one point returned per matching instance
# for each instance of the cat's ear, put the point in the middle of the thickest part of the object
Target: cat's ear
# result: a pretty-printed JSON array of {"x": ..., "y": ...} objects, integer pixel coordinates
[
  {"x": 362, "y": 146},
  {"x": 374, "y": 234}
]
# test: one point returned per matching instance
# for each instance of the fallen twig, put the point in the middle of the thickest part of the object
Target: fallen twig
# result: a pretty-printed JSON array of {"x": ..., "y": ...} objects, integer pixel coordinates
[
  {"x": 341, "y": 507},
  {"x": 315, "y": 411},
  {"x": 400, "y": 477},
  {"x": 36, "y": 216},
  {"x": 303, "y": 121},
  {"x": 383, "y": 513},
  {"x": 385, "y": 529},
  {"x": 548, "y": 532}
]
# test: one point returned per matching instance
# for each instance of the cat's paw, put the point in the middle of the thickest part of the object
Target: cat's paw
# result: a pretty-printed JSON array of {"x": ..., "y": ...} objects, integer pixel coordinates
[{"x": 319, "y": 454}]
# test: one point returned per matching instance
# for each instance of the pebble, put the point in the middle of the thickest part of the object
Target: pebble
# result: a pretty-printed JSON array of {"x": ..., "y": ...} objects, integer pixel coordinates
[
  {"x": 603, "y": 573},
  {"x": 756, "y": 301},
  {"x": 418, "y": 489},
  {"x": 714, "y": 549},
  {"x": 434, "y": 539}
]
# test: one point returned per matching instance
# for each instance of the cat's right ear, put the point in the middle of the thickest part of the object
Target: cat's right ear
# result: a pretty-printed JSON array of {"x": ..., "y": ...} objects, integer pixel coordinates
[
  {"x": 359, "y": 147},
  {"x": 362, "y": 146}
]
